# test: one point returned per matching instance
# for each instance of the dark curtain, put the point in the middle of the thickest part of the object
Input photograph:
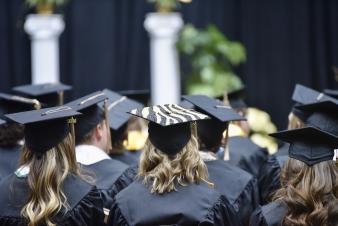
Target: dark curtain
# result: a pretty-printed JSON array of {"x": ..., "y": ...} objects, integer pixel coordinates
[{"x": 106, "y": 45}]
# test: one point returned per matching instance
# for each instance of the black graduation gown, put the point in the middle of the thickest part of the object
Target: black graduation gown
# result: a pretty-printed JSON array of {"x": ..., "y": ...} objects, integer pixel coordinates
[
  {"x": 238, "y": 186},
  {"x": 252, "y": 158},
  {"x": 271, "y": 214},
  {"x": 9, "y": 159},
  {"x": 128, "y": 157},
  {"x": 105, "y": 174},
  {"x": 283, "y": 150},
  {"x": 195, "y": 204},
  {"x": 86, "y": 206},
  {"x": 269, "y": 179}
]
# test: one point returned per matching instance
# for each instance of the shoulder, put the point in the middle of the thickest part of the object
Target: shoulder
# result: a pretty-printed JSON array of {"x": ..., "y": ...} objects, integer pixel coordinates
[{"x": 271, "y": 214}]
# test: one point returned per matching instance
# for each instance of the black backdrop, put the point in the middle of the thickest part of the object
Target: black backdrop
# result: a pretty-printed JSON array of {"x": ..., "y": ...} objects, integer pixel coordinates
[{"x": 105, "y": 45}]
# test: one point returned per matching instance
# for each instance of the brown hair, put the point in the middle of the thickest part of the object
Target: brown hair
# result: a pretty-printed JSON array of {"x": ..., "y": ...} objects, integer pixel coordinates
[
  {"x": 45, "y": 179},
  {"x": 10, "y": 134},
  {"x": 164, "y": 171},
  {"x": 310, "y": 193}
]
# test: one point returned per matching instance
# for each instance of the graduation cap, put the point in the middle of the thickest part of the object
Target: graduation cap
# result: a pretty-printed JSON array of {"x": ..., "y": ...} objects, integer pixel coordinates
[
  {"x": 169, "y": 125},
  {"x": 142, "y": 95},
  {"x": 92, "y": 114},
  {"x": 309, "y": 144},
  {"x": 47, "y": 93},
  {"x": 12, "y": 104},
  {"x": 44, "y": 128},
  {"x": 118, "y": 108},
  {"x": 211, "y": 131},
  {"x": 322, "y": 115},
  {"x": 305, "y": 95},
  {"x": 236, "y": 98},
  {"x": 331, "y": 92}
]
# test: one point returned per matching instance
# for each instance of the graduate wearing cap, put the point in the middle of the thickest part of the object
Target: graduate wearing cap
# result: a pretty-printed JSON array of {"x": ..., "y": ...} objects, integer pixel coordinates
[
  {"x": 11, "y": 133},
  {"x": 118, "y": 106},
  {"x": 172, "y": 187},
  {"x": 244, "y": 153},
  {"x": 93, "y": 143},
  {"x": 47, "y": 188},
  {"x": 243, "y": 192},
  {"x": 49, "y": 94},
  {"x": 308, "y": 195}
]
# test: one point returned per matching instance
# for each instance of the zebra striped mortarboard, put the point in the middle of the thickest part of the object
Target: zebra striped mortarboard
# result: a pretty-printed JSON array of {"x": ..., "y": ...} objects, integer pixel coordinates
[
  {"x": 168, "y": 114},
  {"x": 169, "y": 126}
]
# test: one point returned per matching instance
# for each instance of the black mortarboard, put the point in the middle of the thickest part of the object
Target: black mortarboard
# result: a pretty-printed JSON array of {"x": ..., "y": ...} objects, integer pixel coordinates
[
  {"x": 44, "y": 128},
  {"x": 92, "y": 114},
  {"x": 309, "y": 145},
  {"x": 12, "y": 104},
  {"x": 50, "y": 94},
  {"x": 169, "y": 125},
  {"x": 142, "y": 95},
  {"x": 322, "y": 115},
  {"x": 236, "y": 98},
  {"x": 118, "y": 108},
  {"x": 214, "y": 108},
  {"x": 331, "y": 92},
  {"x": 211, "y": 131},
  {"x": 305, "y": 95}
]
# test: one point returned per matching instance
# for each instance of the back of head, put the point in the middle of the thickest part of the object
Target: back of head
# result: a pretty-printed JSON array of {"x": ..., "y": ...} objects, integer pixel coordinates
[
  {"x": 47, "y": 173},
  {"x": 164, "y": 172},
  {"x": 310, "y": 193},
  {"x": 210, "y": 134}
]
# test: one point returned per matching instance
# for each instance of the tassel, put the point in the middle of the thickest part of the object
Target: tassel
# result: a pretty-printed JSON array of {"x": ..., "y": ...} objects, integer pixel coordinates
[
  {"x": 71, "y": 123},
  {"x": 110, "y": 145}
]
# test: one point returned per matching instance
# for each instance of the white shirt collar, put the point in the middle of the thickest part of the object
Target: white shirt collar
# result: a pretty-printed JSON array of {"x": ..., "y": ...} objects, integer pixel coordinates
[{"x": 89, "y": 154}]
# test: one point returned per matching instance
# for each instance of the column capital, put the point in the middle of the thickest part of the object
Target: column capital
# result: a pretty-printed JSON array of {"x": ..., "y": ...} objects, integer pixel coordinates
[
  {"x": 44, "y": 26},
  {"x": 163, "y": 25}
]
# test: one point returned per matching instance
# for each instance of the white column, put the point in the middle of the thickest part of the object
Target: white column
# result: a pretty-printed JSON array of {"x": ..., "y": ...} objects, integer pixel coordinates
[
  {"x": 163, "y": 29},
  {"x": 44, "y": 31}
]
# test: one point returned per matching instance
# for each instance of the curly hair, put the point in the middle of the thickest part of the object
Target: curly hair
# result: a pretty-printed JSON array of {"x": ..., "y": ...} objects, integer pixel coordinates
[
  {"x": 164, "y": 171},
  {"x": 45, "y": 180},
  {"x": 10, "y": 134},
  {"x": 310, "y": 193}
]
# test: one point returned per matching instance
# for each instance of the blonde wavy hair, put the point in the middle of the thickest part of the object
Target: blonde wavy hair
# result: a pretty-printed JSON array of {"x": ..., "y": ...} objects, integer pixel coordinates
[
  {"x": 310, "y": 193},
  {"x": 295, "y": 122},
  {"x": 45, "y": 179},
  {"x": 163, "y": 172}
]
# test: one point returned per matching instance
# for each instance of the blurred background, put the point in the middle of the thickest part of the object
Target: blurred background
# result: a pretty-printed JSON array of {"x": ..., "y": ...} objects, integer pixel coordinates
[{"x": 269, "y": 45}]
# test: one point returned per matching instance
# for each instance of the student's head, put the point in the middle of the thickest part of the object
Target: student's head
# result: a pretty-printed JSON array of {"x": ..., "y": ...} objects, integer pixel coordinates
[
  {"x": 170, "y": 157},
  {"x": 91, "y": 127},
  {"x": 165, "y": 169},
  {"x": 310, "y": 192},
  {"x": 49, "y": 153},
  {"x": 117, "y": 139},
  {"x": 97, "y": 136},
  {"x": 309, "y": 178},
  {"x": 210, "y": 134}
]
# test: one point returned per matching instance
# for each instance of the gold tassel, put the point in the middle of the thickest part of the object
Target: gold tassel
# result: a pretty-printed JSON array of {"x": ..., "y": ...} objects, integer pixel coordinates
[
  {"x": 110, "y": 145},
  {"x": 71, "y": 122},
  {"x": 61, "y": 98}
]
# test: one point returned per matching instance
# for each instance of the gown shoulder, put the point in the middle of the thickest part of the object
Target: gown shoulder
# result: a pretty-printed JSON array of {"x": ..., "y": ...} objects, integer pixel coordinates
[
  {"x": 271, "y": 214},
  {"x": 195, "y": 204},
  {"x": 84, "y": 200}
]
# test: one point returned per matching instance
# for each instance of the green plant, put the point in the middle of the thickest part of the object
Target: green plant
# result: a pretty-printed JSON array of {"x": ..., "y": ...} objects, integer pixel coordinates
[
  {"x": 34, "y": 3},
  {"x": 167, "y": 5},
  {"x": 212, "y": 57}
]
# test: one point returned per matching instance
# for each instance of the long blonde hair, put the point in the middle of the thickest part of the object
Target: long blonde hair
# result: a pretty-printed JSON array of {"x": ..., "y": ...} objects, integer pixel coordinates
[
  {"x": 295, "y": 122},
  {"x": 310, "y": 193},
  {"x": 45, "y": 179},
  {"x": 164, "y": 171}
]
